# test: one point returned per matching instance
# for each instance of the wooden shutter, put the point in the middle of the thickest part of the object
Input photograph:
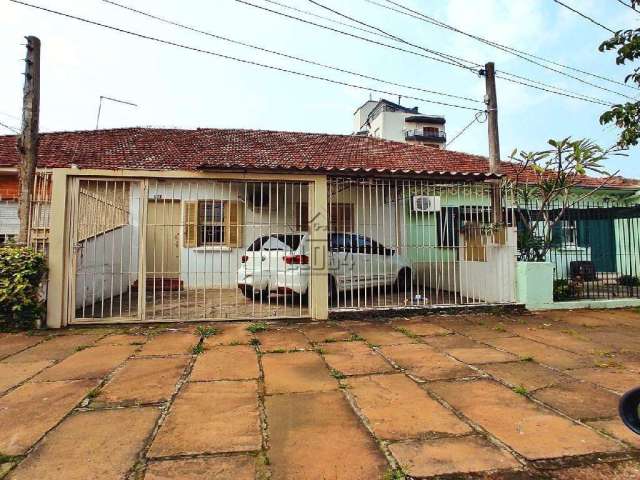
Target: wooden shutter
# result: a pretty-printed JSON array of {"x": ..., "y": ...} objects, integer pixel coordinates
[
  {"x": 190, "y": 224},
  {"x": 233, "y": 222}
]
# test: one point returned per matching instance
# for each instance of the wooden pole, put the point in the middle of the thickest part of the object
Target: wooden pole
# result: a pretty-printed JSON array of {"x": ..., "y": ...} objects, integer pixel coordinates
[
  {"x": 28, "y": 139},
  {"x": 494, "y": 140}
]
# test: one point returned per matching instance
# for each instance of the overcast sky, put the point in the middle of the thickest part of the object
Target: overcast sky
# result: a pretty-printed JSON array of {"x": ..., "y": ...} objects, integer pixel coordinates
[{"x": 178, "y": 88}]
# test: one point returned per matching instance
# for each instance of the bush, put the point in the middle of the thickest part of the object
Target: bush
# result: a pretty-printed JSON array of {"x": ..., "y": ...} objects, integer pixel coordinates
[
  {"x": 21, "y": 272},
  {"x": 562, "y": 290},
  {"x": 628, "y": 281}
]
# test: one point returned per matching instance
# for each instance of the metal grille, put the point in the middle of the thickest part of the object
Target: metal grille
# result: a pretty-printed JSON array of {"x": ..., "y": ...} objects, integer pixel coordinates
[
  {"x": 163, "y": 250},
  {"x": 414, "y": 243},
  {"x": 593, "y": 244}
]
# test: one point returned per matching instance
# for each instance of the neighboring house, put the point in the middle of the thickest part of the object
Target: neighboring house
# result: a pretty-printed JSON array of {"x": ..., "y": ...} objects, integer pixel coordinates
[
  {"x": 390, "y": 121},
  {"x": 9, "y": 223},
  {"x": 157, "y": 224}
]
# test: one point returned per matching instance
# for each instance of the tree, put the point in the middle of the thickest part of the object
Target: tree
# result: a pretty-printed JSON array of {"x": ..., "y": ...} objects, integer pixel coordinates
[
  {"x": 626, "y": 115},
  {"x": 546, "y": 184}
]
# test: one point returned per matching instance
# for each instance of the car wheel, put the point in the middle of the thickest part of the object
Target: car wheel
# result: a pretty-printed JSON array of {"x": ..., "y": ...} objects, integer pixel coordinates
[{"x": 404, "y": 279}]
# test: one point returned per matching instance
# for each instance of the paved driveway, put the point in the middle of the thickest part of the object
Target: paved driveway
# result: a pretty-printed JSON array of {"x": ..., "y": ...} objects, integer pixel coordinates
[{"x": 476, "y": 396}]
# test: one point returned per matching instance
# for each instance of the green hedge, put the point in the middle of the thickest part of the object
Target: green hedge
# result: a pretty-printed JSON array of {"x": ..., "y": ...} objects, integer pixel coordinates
[{"x": 21, "y": 272}]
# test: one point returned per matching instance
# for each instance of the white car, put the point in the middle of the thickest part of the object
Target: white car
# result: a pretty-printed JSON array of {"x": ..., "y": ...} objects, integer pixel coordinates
[{"x": 279, "y": 263}]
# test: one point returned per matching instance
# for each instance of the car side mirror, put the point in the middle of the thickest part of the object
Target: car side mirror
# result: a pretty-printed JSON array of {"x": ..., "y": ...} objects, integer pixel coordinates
[{"x": 629, "y": 409}]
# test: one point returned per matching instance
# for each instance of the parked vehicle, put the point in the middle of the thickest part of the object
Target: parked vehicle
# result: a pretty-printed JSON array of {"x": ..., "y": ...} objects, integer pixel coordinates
[{"x": 280, "y": 263}]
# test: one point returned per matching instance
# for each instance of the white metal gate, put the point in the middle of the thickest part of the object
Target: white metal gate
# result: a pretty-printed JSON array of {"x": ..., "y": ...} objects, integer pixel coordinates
[
  {"x": 175, "y": 249},
  {"x": 396, "y": 243}
]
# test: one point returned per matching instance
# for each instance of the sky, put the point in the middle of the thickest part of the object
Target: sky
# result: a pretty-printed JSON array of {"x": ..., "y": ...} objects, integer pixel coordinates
[{"x": 174, "y": 87}]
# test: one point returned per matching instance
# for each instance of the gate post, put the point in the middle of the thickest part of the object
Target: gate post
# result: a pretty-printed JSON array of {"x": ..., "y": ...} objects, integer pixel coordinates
[
  {"x": 318, "y": 232},
  {"x": 57, "y": 254}
]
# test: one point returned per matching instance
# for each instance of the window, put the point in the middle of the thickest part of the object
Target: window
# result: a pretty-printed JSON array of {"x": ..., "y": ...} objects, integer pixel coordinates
[
  {"x": 340, "y": 217},
  {"x": 430, "y": 131},
  {"x": 279, "y": 242},
  {"x": 212, "y": 222},
  {"x": 564, "y": 232},
  {"x": 211, "y": 226},
  {"x": 448, "y": 227}
]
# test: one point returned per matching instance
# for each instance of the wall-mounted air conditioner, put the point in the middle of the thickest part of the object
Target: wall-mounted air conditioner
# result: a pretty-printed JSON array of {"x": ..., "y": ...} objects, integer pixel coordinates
[{"x": 426, "y": 203}]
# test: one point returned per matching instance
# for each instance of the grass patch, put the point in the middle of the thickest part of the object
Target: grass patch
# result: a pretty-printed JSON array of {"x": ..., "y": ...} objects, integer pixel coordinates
[
  {"x": 235, "y": 343},
  {"x": 278, "y": 350},
  {"x": 254, "y": 342},
  {"x": 9, "y": 458},
  {"x": 93, "y": 393},
  {"x": 355, "y": 338},
  {"x": 197, "y": 349},
  {"x": 407, "y": 332},
  {"x": 520, "y": 390},
  {"x": 206, "y": 331},
  {"x": 526, "y": 359},
  {"x": 499, "y": 328},
  {"x": 320, "y": 350},
  {"x": 329, "y": 340},
  {"x": 81, "y": 347},
  {"x": 393, "y": 474},
  {"x": 337, "y": 374},
  {"x": 372, "y": 345},
  {"x": 256, "y": 327}
]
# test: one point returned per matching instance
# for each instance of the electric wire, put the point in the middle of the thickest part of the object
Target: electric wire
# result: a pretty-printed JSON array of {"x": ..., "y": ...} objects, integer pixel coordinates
[
  {"x": 546, "y": 87},
  {"x": 627, "y": 5},
  {"x": 9, "y": 127},
  {"x": 476, "y": 118},
  {"x": 404, "y": 10},
  {"x": 237, "y": 59},
  {"x": 285, "y": 55},
  {"x": 586, "y": 17}
]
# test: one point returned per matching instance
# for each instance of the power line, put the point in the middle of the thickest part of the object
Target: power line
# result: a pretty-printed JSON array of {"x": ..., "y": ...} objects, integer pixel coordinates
[
  {"x": 394, "y": 37},
  {"x": 514, "y": 51},
  {"x": 285, "y": 55},
  {"x": 521, "y": 56},
  {"x": 236, "y": 59},
  {"x": 547, "y": 87},
  {"x": 476, "y": 118},
  {"x": 632, "y": 6},
  {"x": 9, "y": 127},
  {"x": 587, "y": 17}
]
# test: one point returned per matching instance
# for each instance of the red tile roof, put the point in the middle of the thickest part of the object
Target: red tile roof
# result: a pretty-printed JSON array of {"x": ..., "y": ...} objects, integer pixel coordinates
[{"x": 201, "y": 149}]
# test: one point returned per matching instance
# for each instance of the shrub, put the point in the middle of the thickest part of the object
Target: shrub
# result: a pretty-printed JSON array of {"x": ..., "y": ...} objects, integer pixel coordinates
[
  {"x": 562, "y": 290},
  {"x": 21, "y": 272},
  {"x": 628, "y": 281}
]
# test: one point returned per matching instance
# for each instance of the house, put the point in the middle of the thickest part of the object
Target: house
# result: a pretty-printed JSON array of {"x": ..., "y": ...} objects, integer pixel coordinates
[
  {"x": 144, "y": 224},
  {"x": 391, "y": 121}
]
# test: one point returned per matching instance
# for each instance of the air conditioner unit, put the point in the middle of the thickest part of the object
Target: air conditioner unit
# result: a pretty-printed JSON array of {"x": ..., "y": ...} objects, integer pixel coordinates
[{"x": 426, "y": 203}]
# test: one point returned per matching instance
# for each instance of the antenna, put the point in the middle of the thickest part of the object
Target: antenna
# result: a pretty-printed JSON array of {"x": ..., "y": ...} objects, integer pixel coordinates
[{"x": 102, "y": 97}]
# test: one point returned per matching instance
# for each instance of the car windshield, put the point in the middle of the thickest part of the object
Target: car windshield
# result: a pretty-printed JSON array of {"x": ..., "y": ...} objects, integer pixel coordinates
[{"x": 275, "y": 242}]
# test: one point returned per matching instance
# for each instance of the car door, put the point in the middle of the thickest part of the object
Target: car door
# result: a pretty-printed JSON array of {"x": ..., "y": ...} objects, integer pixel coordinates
[
  {"x": 362, "y": 265},
  {"x": 341, "y": 260}
]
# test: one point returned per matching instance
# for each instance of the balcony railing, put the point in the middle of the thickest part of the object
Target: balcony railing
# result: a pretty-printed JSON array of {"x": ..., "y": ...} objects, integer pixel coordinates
[{"x": 420, "y": 134}]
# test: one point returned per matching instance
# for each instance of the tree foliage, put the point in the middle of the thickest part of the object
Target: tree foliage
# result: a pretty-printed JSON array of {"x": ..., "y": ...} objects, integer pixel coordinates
[
  {"x": 547, "y": 183},
  {"x": 625, "y": 116}
]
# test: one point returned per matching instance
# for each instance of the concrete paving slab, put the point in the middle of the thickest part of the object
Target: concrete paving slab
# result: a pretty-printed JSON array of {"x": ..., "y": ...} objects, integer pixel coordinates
[
  {"x": 122, "y": 339},
  {"x": 427, "y": 458},
  {"x": 282, "y": 339},
  {"x": 211, "y": 417},
  {"x": 617, "y": 429},
  {"x": 534, "y": 432},
  {"x": 317, "y": 435},
  {"x": 399, "y": 409},
  {"x": 322, "y": 332},
  {"x": 143, "y": 380},
  {"x": 12, "y": 374},
  {"x": 604, "y": 471},
  {"x": 92, "y": 362},
  {"x": 618, "y": 380},
  {"x": 57, "y": 348},
  {"x": 527, "y": 374},
  {"x": 354, "y": 358},
  {"x": 11, "y": 343},
  {"x": 170, "y": 343},
  {"x": 425, "y": 362},
  {"x": 541, "y": 353},
  {"x": 296, "y": 372},
  {"x": 446, "y": 342},
  {"x": 480, "y": 355},
  {"x": 420, "y": 327},
  {"x": 238, "y": 362},
  {"x": 483, "y": 332},
  {"x": 383, "y": 335},
  {"x": 102, "y": 444},
  {"x": 31, "y": 410},
  {"x": 580, "y": 400},
  {"x": 230, "y": 334},
  {"x": 559, "y": 337},
  {"x": 236, "y": 467}
]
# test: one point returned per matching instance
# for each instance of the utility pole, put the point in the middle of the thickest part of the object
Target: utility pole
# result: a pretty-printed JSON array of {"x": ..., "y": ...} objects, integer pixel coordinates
[
  {"x": 491, "y": 100},
  {"x": 28, "y": 139}
]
